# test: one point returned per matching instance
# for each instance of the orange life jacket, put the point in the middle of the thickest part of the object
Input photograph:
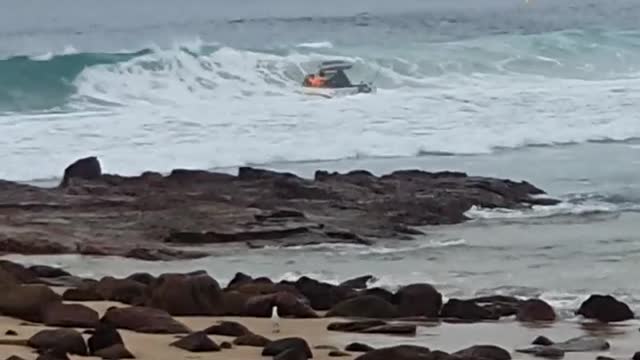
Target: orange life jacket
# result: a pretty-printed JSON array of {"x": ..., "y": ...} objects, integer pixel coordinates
[{"x": 317, "y": 81}]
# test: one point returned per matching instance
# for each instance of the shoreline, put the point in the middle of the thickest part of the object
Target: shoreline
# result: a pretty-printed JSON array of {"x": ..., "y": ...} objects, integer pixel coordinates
[
  {"x": 154, "y": 308},
  {"x": 160, "y": 216}
]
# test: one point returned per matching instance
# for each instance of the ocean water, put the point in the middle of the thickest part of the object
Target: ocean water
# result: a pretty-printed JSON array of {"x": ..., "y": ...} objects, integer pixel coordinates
[{"x": 540, "y": 90}]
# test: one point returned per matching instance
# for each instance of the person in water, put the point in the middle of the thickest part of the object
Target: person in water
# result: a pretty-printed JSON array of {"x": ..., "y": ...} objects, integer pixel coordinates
[{"x": 338, "y": 80}]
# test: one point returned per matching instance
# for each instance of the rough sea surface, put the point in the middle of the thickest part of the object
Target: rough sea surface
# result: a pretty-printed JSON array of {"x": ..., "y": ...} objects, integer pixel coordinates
[{"x": 541, "y": 90}]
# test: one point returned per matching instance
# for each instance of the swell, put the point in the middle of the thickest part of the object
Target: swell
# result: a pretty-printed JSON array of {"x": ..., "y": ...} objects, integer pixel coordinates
[{"x": 52, "y": 81}]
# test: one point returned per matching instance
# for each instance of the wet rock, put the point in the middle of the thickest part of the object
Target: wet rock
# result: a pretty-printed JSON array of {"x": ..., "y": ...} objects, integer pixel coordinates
[
  {"x": 399, "y": 352},
  {"x": 67, "y": 340},
  {"x": 354, "y": 326},
  {"x": 291, "y": 343},
  {"x": 227, "y": 328},
  {"x": 239, "y": 279},
  {"x": 291, "y": 354},
  {"x": 44, "y": 271},
  {"x": 144, "y": 320},
  {"x": 27, "y": 302},
  {"x": 86, "y": 168},
  {"x": 325, "y": 347},
  {"x": 368, "y": 306},
  {"x": 636, "y": 356},
  {"x": 499, "y": 305},
  {"x": 142, "y": 278},
  {"x": 104, "y": 336},
  {"x": 251, "y": 340},
  {"x": 226, "y": 345},
  {"x": 11, "y": 333},
  {"x": 187, "y": 295},
  {"x": 418, "y": 300},
  {"x": 235, "y": 303},
  {"x": 288, "y": 306},
  {"x": 385, "y": 294},
  {"x": 605, "y": 308},
  {"x": 70, "y": 315},
  {"x": 264, "y": 286},
  {"x": 535, "y": 310},
  {"x": 114, "y": 352},
  {"x": 578, "y": 344},
  {"x": 81, "y": 294},
  {"x": 53, "y": 354},
  {"x": 18, "y": 273},
  {"x": 604, "y": 358},
  {"x": 466, "y": 310},
  {"x": 359, "y": 282},
  {"x": 14, "y": 357},
  {"x": 322, "y": 296},
  {"x": 338, "y": 353},
  {"x": 549, "y": 353},
  {"x": 121, "y": 290},
  {"x": 196, "y": 342},
  {"x": 542, "y": 340},
  {"x": 373, "y": 327},
  {"x": 358, "y": 347},
  {"x": 484, "y": 352}
]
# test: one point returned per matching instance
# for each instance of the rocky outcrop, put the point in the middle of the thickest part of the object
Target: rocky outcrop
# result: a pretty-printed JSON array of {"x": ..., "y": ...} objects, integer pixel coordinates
[
  {"x": 187, "y": 295},
  {"x": 466, "y": 310},
  {"x": 196, "y": 342},
  {"x": 88, "y": 168},
  {"x": 323, "y": 296},
  {"x": 144, "y": 320},
  {"x": 66, "y": 340},
  {"x": 368, "y": 306},
  {"x": 277, "y": 347},
  {"x": 27, "y": 302},
  {"x": 104, "y": 336},
  {"x": 418, "y": 300},
  {"x": 90, "y": 212},
  {"x": 535, "y": 310},
  {"x": 70, "y": 315},
  {"x": 605, "y": 308},
  {"x": 121, "y": 290},
  {"x": 227, "y": 328},
  {"x": 399, "y": 352},
  {"x": 288, "y": 305}
]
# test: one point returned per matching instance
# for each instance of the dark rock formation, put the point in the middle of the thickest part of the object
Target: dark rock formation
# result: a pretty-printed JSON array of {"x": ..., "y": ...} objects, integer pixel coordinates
[
  {"x": 104, "y": 336},
  {"x": 292, "y": 343},
  {"x": 535, "y": 310},
  {"x": 227, "y": 328},
  {"x": 27, "y": 302},
  {"x": 418, "y": 300},
  {"x": 187, "y": 295},
  {"x": 484, "y": 352},
  {"x": 605, "y": 308},
  {"x": 358, "y": 347},
  {"x": 144, "y": 320},
  {"x": 66, "y": 340},
  {"x": 251, "y": 340},
  {"x": 257, "y": 207},
  {"x": 70, "y": 315},
  {"x": 368, "y": 306},
  {"x": 196, "y": 342}
]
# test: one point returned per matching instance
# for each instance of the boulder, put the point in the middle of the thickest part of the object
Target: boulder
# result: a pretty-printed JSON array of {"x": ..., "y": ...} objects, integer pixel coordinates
[
  {"x": 239, "y": 279},
  {"x": 66, "y": 340},
  {"x": 251, "y": 340},
  {"x": 86, "y": 168},
  {"x": 379, "y": 292},
  {"x": 27, "y": 302},
  {"x": 291, "y": 343},
  {"x": 359, "y": 282},
  {"x": 227, "y": 328},
  {"x": 542, "y": 340},
  {"x": 196, "y": 342},
  {"x": 399, "y": 352},
  {"x": 322, "y": 296},
  {"x": 368, "y": 306},
  {"x": 11, "y": 333},
  {"x": 114, "y": 352},
  {"x": 14, "y": 357},
  {"x": 144, "y": 320},
  {"x": 288, "y": 306},
  {"x": 418, "y": 300},
  {"x": 18, "y": 273},
  {"x": 605, "y": 308},
  {"x": 187, "y": 295},
  {"x": 142, "y": 278},
  {"x": 70, "y": 315},
  {"x": 291, "y": 354},
  {"x": 358, "y": 347},
  {"x": 121, "y": 290},
  {"x": 636, "y": 356},
  {"x": 53, "y": 354},
  {"x": 535, "y": 310},
  {"x": 235, "y": 303},
  {"x": 44, "y": 271},
  {"x": 338, "y": 353},
  {"x": 82, "y": 294},
  {"x": 466, "y": 310},
  {"x": 104, "y": 336},
  {"x": 484, "y": 352}
]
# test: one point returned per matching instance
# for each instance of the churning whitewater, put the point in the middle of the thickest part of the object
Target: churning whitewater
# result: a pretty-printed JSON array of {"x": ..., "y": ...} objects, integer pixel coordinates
[{"x": 210, "y": 105}]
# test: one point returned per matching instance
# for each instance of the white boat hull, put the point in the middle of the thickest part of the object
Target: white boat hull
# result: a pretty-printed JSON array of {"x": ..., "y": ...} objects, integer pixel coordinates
[{"x": 332, "y": 93}]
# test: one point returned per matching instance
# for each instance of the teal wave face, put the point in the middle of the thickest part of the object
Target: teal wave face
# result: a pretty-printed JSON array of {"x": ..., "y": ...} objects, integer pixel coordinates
[{"x": 29, "y": 84}]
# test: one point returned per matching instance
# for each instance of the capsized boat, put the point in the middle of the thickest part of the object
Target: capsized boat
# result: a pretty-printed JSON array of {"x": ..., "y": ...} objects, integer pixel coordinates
[{"x": 337, "y": 83}]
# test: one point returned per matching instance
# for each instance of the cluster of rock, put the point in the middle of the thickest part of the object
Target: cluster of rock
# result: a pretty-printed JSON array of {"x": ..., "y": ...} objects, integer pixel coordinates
[{"x": 90, "y": 211}]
